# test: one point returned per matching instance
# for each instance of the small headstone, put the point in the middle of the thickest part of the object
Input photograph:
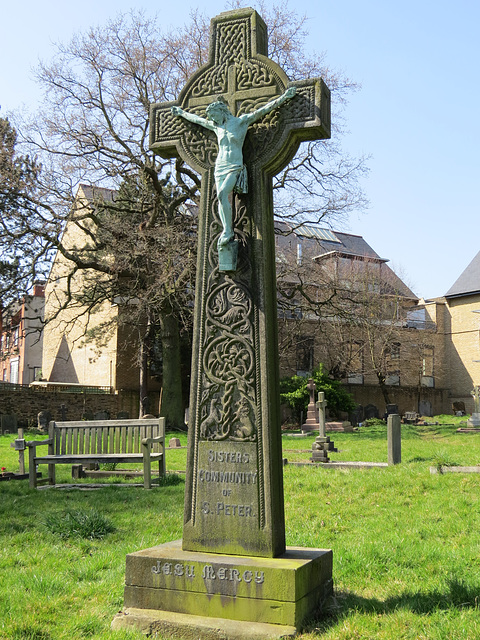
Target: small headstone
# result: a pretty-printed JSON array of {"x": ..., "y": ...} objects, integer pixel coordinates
[
  {"x": 101, "y": 415},
  {"x": 63, "y": 412},
  {"x": 394, "y": 437},
  {"x": 174, "y": 443},
  {"x": 390, "y": 409},
  {"x": 371, "y": 411},
  {"x": 123, "y": 415},
  {"x": 87, "y": 414},
  {"x": 356, "y": 416},
  {"x": 425, "y": 408},
  {"x": 43, "y": 419},
  {"x": 8, "y": 423}
]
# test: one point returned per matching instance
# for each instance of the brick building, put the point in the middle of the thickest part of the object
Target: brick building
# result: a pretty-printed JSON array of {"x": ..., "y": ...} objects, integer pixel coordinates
[{"x": 21, "y": 338}]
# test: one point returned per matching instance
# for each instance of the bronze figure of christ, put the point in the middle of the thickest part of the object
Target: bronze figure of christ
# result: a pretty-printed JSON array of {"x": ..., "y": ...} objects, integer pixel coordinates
[{"x": 230, "y": 173}]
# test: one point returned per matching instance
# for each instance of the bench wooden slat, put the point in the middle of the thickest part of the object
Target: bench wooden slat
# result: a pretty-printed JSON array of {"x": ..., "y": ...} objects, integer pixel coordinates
[{"x": 69, "y": 440}]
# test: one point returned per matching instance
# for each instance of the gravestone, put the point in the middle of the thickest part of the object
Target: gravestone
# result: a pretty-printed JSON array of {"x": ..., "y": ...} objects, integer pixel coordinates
[
  {"x": 394, "y": 439},
  {"x": 232, "y": 563},
  {"x": 43, "y": 420},
  {"x": 63, "y": 412},
  {"x": 8, "y": 423},
  {"x": 474, "y": 420},
  {"x": 101, "y": 415},
  {"x": 123, "y": 415},
  {"x": 311, "y": 423},
  {"x": 425, "y": 408},
  {"x": 322, "y": 444},
  {"x": 371, "y": 411},
  {"x": 356, "y": 416}
]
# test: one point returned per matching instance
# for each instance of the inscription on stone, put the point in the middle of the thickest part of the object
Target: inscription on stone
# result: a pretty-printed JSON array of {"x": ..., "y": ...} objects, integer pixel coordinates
[{"x": 227, "y": 481}]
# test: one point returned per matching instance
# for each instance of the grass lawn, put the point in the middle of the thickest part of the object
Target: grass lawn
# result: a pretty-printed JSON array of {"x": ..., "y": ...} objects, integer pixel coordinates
[{"x": 406, "y": 543}]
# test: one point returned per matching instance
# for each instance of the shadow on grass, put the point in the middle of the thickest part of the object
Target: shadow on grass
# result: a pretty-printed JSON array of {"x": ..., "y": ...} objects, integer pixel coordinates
[{"x": 457, "y": 595}]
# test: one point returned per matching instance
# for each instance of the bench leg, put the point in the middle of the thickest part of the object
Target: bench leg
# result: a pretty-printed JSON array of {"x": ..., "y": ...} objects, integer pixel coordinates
[
  {"x": 147, "y": 467},
  {"x": 51, "y": 474},
  {"x": 32, "y": 468}
]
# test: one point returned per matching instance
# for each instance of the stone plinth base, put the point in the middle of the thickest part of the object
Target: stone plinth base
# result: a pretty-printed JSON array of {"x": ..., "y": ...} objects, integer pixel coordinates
[
  {"x": 181, "y": 625},
  {"x": 320, "y": 449},
  {"x": 339, "y": 426},
  {"x": 280, "y": 592},
  {"x": 474, "y": 421}
]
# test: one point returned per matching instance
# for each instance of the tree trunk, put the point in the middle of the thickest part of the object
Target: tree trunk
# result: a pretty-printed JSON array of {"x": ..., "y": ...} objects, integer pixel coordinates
[{"x": 172, "y": 401}]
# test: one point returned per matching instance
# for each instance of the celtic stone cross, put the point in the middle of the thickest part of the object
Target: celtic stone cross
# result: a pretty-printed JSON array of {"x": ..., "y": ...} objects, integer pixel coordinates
[{"x": 234, "y": 484}]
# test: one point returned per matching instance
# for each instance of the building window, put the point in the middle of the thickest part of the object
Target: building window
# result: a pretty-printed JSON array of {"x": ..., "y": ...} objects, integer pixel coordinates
[
  {"x": 393, "y": 364},
  {"x": 427, "y": 379},
  {"x": 14, "y": 371},
  {"x": 305, "y": 355}
]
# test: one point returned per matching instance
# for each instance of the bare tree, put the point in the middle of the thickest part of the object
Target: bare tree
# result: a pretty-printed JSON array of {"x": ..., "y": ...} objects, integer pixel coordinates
[{"x": 93, "y": 129}]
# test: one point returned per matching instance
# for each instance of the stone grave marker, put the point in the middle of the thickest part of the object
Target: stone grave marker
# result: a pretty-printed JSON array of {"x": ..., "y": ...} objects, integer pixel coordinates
[
  {"x": 311, "y": 423},
  {"x": 474, "y": 420},
  {"x": 43, "y": 420},
  {"x": 101, "y": 415},
  {"x": 63, "y": 412},
  {"x": 371, "y": 411},
  {"x": 232, "y": 563},
  {"x": 322, "y": 444},
  {"x": 8, "y": 423},
  {"x": 394, "y": 439}
]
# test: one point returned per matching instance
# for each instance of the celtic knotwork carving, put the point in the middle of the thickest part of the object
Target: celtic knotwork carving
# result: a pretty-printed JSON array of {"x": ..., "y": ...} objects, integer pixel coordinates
[
  {"x": 233, "y": 44},
  {"x": 302, "y": 107},
  {"x": 210, "y": 82},
  {"x": 167, "y": 125},
  {"x": 200, "y": 145},
  {"x": 253, "y": 74}
]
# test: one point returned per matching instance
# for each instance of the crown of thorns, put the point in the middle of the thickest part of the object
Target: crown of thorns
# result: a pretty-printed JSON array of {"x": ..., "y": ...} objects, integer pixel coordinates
[{"x": 219, "y": 102}]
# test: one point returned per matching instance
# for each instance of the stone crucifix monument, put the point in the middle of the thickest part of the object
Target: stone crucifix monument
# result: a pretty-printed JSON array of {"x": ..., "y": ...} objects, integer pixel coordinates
[{"x": 237, "y": 122}]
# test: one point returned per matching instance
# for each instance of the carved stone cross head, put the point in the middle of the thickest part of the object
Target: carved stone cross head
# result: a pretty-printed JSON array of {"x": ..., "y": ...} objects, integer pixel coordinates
[{"x": 239, "y": 70}]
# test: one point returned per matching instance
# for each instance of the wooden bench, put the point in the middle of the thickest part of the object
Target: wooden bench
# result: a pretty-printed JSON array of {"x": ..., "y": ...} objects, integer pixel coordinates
[{"x": 100, "y": 441}]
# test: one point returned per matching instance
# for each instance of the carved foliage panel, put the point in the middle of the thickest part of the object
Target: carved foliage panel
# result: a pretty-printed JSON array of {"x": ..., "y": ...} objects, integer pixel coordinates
[{"x": 228, "y": 362}]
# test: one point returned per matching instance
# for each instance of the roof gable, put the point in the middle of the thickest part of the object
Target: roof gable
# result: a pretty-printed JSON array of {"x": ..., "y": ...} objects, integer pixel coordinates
[{"x": 469, "y": 281}]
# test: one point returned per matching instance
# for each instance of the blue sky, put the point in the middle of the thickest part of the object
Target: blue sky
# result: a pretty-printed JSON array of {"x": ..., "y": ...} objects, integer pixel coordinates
[{"x": 416, "y": 114}]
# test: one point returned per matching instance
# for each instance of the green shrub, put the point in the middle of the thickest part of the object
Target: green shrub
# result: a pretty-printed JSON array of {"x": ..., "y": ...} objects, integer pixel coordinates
[
  {"x": 89, "y": 524},
  {"x": 294, "y": 393}
]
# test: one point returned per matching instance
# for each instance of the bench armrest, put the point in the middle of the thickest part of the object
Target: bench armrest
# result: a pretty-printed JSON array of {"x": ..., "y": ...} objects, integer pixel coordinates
[
  {"x": 36, "y": 443},
  {"x": 153, "y": 440}
]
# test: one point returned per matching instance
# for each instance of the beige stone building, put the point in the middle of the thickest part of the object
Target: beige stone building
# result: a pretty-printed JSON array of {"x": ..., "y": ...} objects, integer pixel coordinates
[
  {"x": 84, "y": 346},
  {"x": 421, "y": 355},
  {"x": 462, "y": 334},
  {"x": 361, "y": 321}
]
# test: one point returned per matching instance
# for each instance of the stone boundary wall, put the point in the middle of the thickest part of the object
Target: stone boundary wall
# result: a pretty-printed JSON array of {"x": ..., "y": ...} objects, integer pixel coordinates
[
  {"x": 26, "y": 403},
  {"x": 407, "y": 398}
]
